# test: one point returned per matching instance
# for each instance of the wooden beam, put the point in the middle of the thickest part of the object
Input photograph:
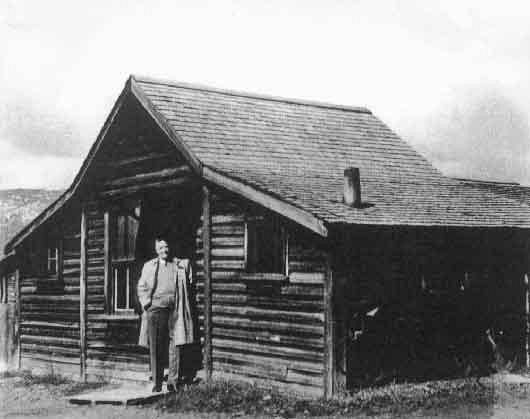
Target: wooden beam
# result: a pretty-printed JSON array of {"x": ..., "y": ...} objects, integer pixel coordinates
[
  {"x": 107, "y": 273},
  {"x": 130, "y": 190},
  {"x": 290, "y": 211},
  {"x": 136, "y": 159},
  {"x": 83, "y": 296},
  {"x": 329, "y": 332},
  {"x": 146, "y": 177},
  {"x": 206, "y": 237}
]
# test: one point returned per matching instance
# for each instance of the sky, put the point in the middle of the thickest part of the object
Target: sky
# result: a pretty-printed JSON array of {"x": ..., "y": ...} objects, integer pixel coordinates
[{"x": 452, "y": 78}]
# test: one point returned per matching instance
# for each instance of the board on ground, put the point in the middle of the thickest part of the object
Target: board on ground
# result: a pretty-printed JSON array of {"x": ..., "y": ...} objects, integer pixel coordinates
[{"x": 123, "y": 395}]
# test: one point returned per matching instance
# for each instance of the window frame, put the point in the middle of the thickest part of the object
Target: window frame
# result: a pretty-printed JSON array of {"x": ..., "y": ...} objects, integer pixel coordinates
[
  {"x": 53, "y": 257},
  {"x": 127, "y": 262}
]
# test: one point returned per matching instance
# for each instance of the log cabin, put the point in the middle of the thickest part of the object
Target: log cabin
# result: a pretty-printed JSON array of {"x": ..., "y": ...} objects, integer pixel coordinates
[{"x": 294, "y": 213}]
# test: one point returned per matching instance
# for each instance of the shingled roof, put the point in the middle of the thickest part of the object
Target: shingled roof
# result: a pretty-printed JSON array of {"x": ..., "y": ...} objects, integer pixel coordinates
[
  {"x": 297, "y": 151},
  {"x": 294, "y": 152},
  {"x": 511, "y": 190}
]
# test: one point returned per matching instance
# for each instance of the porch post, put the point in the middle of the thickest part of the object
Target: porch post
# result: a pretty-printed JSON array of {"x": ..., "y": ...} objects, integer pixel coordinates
[
  {"x": 206, "y": 237},
  {"x": 83, "y": 296},
  {"x": 329, "y": 331},
  {"x": 107, "y": 278}
]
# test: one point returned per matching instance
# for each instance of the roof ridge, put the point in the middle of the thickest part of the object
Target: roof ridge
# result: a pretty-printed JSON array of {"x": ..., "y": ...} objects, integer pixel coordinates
[{"x": 240, "y": 93}]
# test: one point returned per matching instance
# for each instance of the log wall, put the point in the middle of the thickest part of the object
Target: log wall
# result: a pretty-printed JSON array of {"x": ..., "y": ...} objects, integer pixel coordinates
[
  {"x": 267, "y": 327},
  {"x": 49, "y": 327}
]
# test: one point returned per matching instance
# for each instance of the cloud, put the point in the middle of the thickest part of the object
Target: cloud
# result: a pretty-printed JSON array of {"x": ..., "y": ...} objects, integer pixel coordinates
[
  {"x": 480, "y": 133},
  {"x": 38, "y": 129}
]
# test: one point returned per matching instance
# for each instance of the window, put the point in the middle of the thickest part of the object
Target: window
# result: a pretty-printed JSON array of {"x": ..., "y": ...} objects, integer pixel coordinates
[
  {"x": 52, "y": 259},
  {"x": 266, "y": 245},
  {"x": 125, "y": 222},
  {"x": 51, "y": 262}
]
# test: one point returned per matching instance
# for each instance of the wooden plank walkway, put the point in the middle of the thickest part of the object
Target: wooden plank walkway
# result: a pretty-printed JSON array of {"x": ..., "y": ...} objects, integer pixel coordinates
[{"x": 125, "y": 395}]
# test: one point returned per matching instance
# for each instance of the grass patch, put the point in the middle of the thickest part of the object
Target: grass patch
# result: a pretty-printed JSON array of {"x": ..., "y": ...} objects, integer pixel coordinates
[
  {"x": 245, "y": 399},
  {"x": 54, "y": 383}
]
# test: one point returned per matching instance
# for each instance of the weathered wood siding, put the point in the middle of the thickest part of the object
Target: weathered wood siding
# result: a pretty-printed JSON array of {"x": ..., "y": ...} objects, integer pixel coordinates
[
  {"x": 264, "y": 327},
  {"x": 49, "y": 328}
]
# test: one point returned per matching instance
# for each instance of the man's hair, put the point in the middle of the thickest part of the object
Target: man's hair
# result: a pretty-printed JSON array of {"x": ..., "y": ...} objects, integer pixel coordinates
[{"x": 160, "y": 239}]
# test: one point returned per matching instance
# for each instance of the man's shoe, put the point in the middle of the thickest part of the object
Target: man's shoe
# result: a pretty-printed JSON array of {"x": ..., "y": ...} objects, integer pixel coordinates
[
  {"x": 171, "y": 388},
  {"x": 157, "y": 389}
]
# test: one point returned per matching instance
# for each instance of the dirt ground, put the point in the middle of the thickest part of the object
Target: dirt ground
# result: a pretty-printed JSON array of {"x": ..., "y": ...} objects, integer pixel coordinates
[{"x": 18, "y": 400}]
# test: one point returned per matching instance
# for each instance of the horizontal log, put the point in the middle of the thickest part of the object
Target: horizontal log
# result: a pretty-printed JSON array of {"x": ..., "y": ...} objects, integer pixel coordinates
[
  {"x": 219, "y": 275},
  {"x": 256, "y": 313},
  {"x": 140, "y": 366},
  {"x": 49, "y": 340},
  {"x": 38, "y": 298},
  {"x": 53, "y": 332},
  {"x": 315, "y": 291},
  {"x": 224, "y": 287},
  {"x": 296, "y": 365},
  {"x": 153, "y": 185},
  {"x": 135, "y": 160},
  {"x": 306, "y": 266},
  {"x": 272, "y": 350},
  {"x": 227, "y": 218},
  {"x": 115, "y": 357},
  {"x": 272, "y": 326},
  {"x": 155, "y": 176},
  {"x": 56, "y": 325},
  {"x": 225, "y": 230},
  {"x": 224, "y": 241},
  {"x": 307, "y": 277},
  {"x": 268, "y": 303},
  {"x": 52, "y": 317},
  {"x": 261, "y": 277},
  {"x": 49, "y": 349},
  {"x": 55, "y": 359},
  {"x": 266, "y": 336},
  {"x": 223, "y": 264},
  {"x": 232, "y": 252}
]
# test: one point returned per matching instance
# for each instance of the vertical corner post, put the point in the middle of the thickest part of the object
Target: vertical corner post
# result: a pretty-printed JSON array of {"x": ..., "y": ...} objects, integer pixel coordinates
[
  {"x": 527, "y": 320},
  {"x": 329, "y": 330},
  {"x": 18, "y": 312},
  {"x": 107, "y": 280},
  {"x": 206, "y": 240},
  {"x": 83, "y": 296}
]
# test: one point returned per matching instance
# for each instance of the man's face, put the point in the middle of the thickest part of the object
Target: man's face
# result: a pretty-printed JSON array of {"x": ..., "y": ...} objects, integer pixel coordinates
[{"x": 162, "y": 249}]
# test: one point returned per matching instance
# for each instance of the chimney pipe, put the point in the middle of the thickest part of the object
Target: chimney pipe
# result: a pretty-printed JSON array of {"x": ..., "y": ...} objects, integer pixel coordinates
[{"x": 352, "y": 187}]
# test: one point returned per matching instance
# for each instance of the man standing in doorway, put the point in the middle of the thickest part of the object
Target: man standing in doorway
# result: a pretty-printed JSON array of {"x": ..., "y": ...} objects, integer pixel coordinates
[{"x": 163, "y": 294}]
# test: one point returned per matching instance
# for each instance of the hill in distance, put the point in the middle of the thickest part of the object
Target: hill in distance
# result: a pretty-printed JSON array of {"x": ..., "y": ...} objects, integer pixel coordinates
[{"x": 19, "y": 207}]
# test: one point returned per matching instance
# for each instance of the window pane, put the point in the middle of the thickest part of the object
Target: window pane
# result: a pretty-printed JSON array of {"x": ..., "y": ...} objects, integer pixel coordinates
[
  {"x": 132, "y": 232},
  {"x": 121, "y": 287},
  {"x": 119, "y": 237}
]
